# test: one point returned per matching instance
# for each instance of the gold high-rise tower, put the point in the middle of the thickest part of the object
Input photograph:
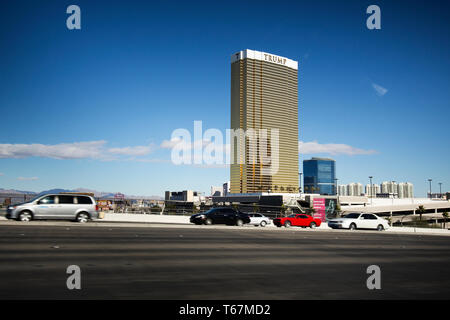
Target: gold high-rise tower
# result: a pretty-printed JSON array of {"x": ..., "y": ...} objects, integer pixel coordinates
[{"x": 264, "y": 95}]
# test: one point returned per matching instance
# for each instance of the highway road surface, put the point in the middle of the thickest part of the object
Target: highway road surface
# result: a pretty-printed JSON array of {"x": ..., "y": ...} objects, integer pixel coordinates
[{"x": 202, "y": 262}]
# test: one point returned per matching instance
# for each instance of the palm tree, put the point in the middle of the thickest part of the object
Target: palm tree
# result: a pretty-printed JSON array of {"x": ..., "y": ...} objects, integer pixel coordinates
[
  {"x": 282, "y": 210},
  {"x": 445, "y": 215},
  {"x": 389, "y": 219},
  {"x": 338, "y": 210},
  {"x": 421, "y": 210}
]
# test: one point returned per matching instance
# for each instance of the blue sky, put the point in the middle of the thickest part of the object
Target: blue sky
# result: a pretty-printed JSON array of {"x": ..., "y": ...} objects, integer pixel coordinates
[{"x": 137, "y": 70}]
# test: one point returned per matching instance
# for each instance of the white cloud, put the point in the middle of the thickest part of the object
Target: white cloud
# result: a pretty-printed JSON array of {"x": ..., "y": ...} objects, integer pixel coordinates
[
  {"x": 132, "y": 151},
  {"x": 379, "y": 89},
  {"x": 314, "y": 147},
  {"x": 169, "y": 144},
  {"x": 156, "y": 160},
  {"x": 27, "y": 178},
  {"x": 75, "y": 150}
]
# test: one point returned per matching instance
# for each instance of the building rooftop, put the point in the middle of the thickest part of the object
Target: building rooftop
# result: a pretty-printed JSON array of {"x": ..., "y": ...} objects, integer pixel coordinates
[
  {"x": 264, "y": 56},
  {"x": 317, "y": 158}
]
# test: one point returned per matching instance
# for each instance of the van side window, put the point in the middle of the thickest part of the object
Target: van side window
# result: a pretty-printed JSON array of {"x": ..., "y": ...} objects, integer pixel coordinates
[
  {"x": 65, "y": 199},
  {"x": 47, "y": 200},
  {"x": 84, "y": 200}
]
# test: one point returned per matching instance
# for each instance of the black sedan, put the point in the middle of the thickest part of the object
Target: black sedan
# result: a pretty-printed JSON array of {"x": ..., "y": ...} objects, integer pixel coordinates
[{"x": 221, "y": 216}]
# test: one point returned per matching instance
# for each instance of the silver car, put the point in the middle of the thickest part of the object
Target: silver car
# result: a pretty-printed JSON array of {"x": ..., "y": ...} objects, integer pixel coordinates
[
  {"x": 258, "y": 219},
  {"x": 76, "y": 207}
]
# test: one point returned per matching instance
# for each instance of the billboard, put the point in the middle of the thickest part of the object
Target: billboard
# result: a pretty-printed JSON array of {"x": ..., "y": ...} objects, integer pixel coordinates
[
  {"x": 330, "y": 208},
  {"x": 325, "y": 208},
  {"x": 319, "y": 206}
]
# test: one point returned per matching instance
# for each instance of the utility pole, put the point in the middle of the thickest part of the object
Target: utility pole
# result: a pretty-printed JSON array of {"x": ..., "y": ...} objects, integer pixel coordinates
[
  {"x": 301, "y": 189},
  {"x": 429, "y": 180},
  {"x": 371, "y": 189}
]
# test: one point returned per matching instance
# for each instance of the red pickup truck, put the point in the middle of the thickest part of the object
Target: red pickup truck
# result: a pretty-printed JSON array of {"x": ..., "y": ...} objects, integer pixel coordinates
[{"x": 298, "y": 220}]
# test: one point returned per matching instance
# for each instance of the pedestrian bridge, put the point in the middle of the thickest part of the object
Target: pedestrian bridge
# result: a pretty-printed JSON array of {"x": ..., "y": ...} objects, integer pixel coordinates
[{"x": 392, "y": 206}]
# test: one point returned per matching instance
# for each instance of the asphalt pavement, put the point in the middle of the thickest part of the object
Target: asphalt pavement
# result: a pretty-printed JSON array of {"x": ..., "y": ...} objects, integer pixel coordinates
[{"x": 202, "y": 262}]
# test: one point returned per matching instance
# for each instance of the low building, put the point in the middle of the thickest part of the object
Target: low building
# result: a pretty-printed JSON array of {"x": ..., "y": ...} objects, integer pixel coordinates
[
  {"x": 183, "y": 196},
  {"x": 216, "y": 191},
  {"x": 186, "y": 200},
  {"x": 226, "y": 188}
]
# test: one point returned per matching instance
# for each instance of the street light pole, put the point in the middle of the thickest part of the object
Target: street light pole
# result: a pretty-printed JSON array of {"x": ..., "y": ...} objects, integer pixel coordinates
[
  {"x": 429, "y": 180},
  {"x": 336, "y": 186},
  {"x": 371, "y": 189},
  {"x": 301, "y": 189},
  {"x": 440, "y": 189}
]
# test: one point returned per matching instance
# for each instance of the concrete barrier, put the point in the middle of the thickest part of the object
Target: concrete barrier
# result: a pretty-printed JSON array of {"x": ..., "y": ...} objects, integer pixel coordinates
[
  {"x": 419, "y": 230},
  {"x": 149, "y": 218}
]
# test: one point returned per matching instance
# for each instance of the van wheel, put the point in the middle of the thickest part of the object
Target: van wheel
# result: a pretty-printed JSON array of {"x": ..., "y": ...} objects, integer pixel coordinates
[
  {"x": 239, "y": 222},
  {"x": 25, "y": 216},
  {"x": 82, "y": 217},
  {"x": 208, "y": 222}
]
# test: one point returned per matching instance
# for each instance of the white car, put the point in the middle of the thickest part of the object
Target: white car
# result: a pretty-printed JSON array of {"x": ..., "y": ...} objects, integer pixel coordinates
[
  {"x": 355, "y": 220},
  {"x": 258, "y": 219}
]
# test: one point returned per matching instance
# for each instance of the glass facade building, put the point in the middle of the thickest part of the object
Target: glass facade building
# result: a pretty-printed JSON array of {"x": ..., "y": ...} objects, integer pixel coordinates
[
  {"x": 264, "y": 98},
  {"x": 319, "y": 176}
]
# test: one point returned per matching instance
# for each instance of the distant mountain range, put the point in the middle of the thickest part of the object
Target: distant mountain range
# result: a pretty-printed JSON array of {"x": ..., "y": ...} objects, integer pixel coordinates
[
  {"x": 97, "y": 194},
  {"x": 15, "y": 191}
]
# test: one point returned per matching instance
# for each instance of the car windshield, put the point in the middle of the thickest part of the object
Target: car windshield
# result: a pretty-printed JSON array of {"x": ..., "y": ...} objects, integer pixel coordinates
[{"x": 352, "y": 216}]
